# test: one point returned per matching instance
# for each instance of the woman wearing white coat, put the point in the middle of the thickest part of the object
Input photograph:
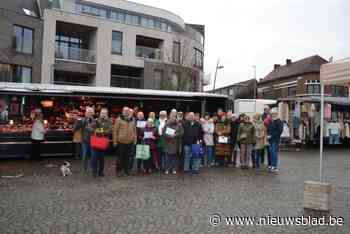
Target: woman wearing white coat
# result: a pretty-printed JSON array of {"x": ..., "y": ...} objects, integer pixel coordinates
[
  {"x": 37, "y": 136},
  {"x": 208, "y": 137}
]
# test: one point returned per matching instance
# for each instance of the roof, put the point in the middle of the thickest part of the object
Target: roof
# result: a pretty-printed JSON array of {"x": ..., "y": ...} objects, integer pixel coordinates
[
  {"x": 300, "y": 67},
  {"x": 247, "y": 82},
  {"x": 62, "y": 89}
]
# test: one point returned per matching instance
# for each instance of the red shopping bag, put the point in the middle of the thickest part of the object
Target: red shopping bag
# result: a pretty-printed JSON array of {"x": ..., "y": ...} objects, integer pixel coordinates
[{"x": 99, "y": 142}]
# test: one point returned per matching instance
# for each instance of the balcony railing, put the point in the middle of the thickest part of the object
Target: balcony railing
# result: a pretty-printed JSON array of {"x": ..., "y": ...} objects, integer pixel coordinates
[
  {"x": 77, "y": 54},
  {"x": 148, "y": 52}
]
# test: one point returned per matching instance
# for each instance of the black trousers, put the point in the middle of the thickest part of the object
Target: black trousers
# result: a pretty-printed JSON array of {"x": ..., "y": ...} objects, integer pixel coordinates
[
  {"x": 124, "y": 152},
  {"x": 36, "y": 150}
]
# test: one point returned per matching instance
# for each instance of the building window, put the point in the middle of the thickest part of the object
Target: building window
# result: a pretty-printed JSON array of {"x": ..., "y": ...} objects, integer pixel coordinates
[
  {"x": 22, "y": 74},
  {"x": 23, "y": 39},
  {"x": 15, "y": 73},
  {"x": 198, "y": 58},
  {"x": 158, "y": 79},
  {"x": 144, "y": 22},
  {"x": 132, "y": 19},
  {"x": 118, "y": 16},
  {"x": 231, "y": 92},
  {"x": 313, "y": 87},
  {"x": 164, "y": 27},
  {"x": 175, "y": 80},
  {"x": 176, "y": 52},
  {"x": 340, "y": 91},
  {"x": 292, "y": 91},
  {"x": 72, "y": 47},
  {"x": 5, "y": 73},
  {"x": 117, "y": 42}
]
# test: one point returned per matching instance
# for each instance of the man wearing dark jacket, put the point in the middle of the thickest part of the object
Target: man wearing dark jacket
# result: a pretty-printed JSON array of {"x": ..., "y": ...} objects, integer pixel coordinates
[
  {"x": 274, "y": 132},
  {"x": 85, "y": 125},
  {"x": 234, "y": 130},
  {"x": 192, "y": 135}
]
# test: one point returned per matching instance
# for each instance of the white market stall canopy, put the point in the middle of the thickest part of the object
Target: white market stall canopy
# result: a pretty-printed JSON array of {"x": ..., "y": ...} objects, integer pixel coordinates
[
  {"x": 68, "y": 89},
  {"x": 336, "y": 73}
]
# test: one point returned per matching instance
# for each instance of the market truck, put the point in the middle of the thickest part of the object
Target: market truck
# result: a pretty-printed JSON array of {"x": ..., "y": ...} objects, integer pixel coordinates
[{"x": 252, "y": 106}]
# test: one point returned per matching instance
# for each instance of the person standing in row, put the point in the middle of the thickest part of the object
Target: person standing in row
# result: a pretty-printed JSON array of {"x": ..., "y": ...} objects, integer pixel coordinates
[
  {"x": 208, "y": 138},
  {"x": 192, "y": 135},
  {"x": 246, "y": 138},
  {"x": 124, "y": 137},
  {"x": 140, "y": 126},
  {"x": 103, "y": 128},
  {"x": 223, "y": 146},
  {"x": 173, "y": 131},
  {"x": 260, "y": 135},
  {"x": 37, "y": 136},
  {"x": 149, "y": 136},
  {"x": 274, "y": 132},
  {"x": 85, "y": 125},
  {"x": 160, "y": 124},
  {"x": 234, "y": 145},
  {"x": 266, "y": 117}
]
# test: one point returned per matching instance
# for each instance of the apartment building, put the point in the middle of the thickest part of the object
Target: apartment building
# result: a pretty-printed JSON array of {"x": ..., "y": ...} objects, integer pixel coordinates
[{"x": 117, "y": 43}]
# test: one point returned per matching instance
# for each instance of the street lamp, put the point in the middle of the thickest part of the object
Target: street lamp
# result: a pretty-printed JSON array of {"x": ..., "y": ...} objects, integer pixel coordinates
[
  {"x": 216, "y": 72},
  {"x": 254, "y": 67}
]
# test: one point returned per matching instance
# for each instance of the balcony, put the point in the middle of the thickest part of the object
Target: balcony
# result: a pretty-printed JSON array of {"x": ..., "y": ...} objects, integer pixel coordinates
[
  {"x": 75, "y": 54},
  {"x": 148, "y": 52}
]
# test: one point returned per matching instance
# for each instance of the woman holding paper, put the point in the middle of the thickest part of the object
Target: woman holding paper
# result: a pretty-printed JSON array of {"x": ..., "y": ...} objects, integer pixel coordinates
[
  {"x": 140, "y": 126},
  {"x": 149, "y": 137},
  {"x": 173, "y": 131},
  {"x": 223, "y": 147}
]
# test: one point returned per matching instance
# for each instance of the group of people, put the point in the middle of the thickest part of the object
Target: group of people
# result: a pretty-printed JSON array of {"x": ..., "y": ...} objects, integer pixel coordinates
[{"x": 179, "y": 141}]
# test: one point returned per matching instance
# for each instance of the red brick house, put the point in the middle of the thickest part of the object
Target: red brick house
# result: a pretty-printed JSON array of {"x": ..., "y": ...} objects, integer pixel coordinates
[{"x": 297, "y": 79}]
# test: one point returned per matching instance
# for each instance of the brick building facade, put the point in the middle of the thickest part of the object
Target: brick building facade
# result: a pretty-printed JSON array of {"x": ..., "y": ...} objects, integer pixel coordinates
[{"x": 297, "y": 79}]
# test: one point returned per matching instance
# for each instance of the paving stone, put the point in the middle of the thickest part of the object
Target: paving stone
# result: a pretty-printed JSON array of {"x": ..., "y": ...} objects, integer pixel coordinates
[{"x": 44, "y": 202}]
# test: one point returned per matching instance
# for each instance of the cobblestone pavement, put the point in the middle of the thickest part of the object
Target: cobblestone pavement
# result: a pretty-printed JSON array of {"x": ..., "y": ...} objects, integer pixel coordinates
[{"x": 41, "y": 201}]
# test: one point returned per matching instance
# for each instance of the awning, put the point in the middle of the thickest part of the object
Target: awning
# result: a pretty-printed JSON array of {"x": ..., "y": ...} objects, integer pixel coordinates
[
  {"x": 69, "y": 89},
  {"x": 341, "y": 101},
  {"x": 336, "y": 73}
]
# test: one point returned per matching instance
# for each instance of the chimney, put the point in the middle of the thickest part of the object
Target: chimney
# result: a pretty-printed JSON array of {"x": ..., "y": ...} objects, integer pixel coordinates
[
  {"x": 276, "y": 66},
  {"x": 288, "y": 61}
]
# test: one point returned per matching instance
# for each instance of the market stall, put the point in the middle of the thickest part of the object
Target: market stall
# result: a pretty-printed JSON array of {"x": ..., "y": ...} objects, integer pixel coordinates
[
  {"x": 302, "y": 116},
  {"x": 62, "y": 105}
]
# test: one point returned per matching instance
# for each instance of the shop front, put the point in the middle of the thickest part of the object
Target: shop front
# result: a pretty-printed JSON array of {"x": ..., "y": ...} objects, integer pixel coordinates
[
  {"x": 302, "y": 117},
  {"x": 63, "y": 105}
]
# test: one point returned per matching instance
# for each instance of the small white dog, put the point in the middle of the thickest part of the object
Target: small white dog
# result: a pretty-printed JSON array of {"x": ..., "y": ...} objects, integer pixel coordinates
[{"x": 65, "y": 169}]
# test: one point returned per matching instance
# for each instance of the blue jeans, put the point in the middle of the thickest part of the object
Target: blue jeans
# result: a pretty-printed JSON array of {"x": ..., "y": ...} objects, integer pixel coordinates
[
  {"x": 195, "y": 163},
  {"x": 334, "y": 139},
  {"x": 191, "y": 163},
  {"x": 274, "y": 154},
  {"x": 85, "y": 155},
  {"x": 188, "y": 156},
  {"x": 171, "y": 162},
  {"x": 97, "y": 162},
  {"x": 162, "y": 158},
  {"x": 209, "y": 155},
  {"x": 258, "y": 155}
]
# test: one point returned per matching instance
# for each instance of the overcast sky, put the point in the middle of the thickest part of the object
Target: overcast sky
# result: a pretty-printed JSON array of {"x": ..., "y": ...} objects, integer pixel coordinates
[{"x": 264, "y": 32}]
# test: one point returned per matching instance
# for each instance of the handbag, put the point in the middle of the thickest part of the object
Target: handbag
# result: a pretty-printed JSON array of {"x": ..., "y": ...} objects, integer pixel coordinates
[
  {"x": 197, "y": 150},
  {"x": 143, "y": 152},
  {"x": 99, "y": 142}
]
